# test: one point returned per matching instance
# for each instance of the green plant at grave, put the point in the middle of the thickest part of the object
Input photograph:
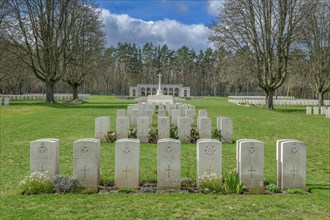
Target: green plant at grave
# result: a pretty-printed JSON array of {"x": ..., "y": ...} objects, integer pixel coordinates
[
  {"x": 216, "y": 134},
  {"x": 273, "y": 188},
  {"x": 65, "y": 184},
  {"x": 232, "y": 183},
  {"x": 174, "y": 132},
  {"x": 132, "y": 133},
  {"x": 295, "y": 191},
  {"x": 111, "y": 137},
  {"x": 267, "y": 181},
  {"x": 126, "y": 190},
  {"x": 36, "y": 183},
  {"x": 194, "y": 136},
  {"x": 211, "y": 183},
  {"x": 153, "y": 136}
]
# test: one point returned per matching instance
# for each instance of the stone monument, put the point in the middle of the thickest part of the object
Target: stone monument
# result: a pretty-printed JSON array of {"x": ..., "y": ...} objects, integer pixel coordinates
[{"x": 159, "y": 98}]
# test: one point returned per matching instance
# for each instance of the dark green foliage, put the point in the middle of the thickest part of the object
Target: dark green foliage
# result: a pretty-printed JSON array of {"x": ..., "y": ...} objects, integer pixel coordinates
[
  {"x": 194, "y": 136},
  {"x": 153, "y": 136},
  {"x": 111, "y": 137},
  {"x": 174, "y": 133},
  {"x": 132, "y": 133},
  {"x": 232, "y": 183},
  {"x": 228, "y": 184},
  {"x": 295, "y": 191},
  {"x": 216, "y": 134},
  {"x": 273, "y": 188}
]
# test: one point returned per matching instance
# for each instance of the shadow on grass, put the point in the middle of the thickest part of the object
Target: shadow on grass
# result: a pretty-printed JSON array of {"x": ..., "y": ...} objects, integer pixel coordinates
[
  {"x": 290, "y": 110},
  {"x": 86, "y": 105},
  {"x": 319, "y": 186}
]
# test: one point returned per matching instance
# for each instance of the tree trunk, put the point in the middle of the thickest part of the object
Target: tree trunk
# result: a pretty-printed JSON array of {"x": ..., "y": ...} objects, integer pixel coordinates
[
  {"x": 49, "y": 92},
  {"x": 269, "y": 100},
  {"x": 320, "y": 96},
  {"x": 75, "y": 92}
]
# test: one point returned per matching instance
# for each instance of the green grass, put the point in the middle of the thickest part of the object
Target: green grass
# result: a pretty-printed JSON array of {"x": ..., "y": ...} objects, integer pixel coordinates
[{"x": 25, "y": 121}]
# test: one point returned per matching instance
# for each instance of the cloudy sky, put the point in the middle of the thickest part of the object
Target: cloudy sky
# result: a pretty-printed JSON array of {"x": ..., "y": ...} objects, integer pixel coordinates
[{"x": 173, "y": 22}]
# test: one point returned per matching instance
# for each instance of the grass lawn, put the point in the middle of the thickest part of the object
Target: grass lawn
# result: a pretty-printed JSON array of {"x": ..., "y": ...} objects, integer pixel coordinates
[{"x": 24, "y": 121}]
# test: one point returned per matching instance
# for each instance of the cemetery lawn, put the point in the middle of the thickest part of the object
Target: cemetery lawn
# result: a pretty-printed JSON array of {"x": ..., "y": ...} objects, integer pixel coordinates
[{"x": 24, "y": 121}]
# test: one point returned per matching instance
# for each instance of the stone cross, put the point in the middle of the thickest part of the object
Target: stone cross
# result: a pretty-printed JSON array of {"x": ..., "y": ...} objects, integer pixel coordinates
[{"x": 159, "y": 91}]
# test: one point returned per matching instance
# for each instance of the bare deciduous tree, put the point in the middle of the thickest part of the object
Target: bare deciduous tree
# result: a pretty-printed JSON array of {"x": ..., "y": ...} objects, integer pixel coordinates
[
  {"x": 86, "y": 41},
  {"x": 267, "y": 29},
  {"x": 315, "y": 36},
  {"x": 42, "y": 31}
]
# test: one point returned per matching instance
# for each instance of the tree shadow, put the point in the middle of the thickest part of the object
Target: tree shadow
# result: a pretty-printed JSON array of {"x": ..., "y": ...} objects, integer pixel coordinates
[
  {"x": 291, "y": 110},
  {"x": 86, "y": 105},
  {"x": 319, "y": 186}
]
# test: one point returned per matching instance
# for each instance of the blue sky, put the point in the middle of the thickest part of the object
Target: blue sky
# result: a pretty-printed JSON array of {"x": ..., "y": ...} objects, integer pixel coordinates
[{"x": 173, "y": 22}]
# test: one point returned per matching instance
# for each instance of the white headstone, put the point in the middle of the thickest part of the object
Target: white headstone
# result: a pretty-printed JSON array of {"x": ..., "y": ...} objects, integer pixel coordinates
[
  {"x": 204, "y": 127},
  {"x": 143, "y": 129},
  {"x": 328, "y": 113},
  {"x": 175, "y": 116},
  {"x": 225, "y": 125},
  {"x": 251, "y": 163},
  {"x": 130, "y": 107},
  {"x": 190, "y": 114},
  {"x": 102, "y": 127},
  {"x": 237, "y": 151},
  {"x": 168, "y": 164},
  {"x": 163, "y": 127},
  {"x": 183, "y": 110},
  {"x": 86, "y": 162},
  {"x": 149, "y": 113},
  {"x": 6, "y": 100},
  {"x": 45, "y": 156},
  {"x": 209, "y": 158},
  {"x": 0, "y": 101},
  {"x": 122, "y": 127},
  {"x": 134, "y": 116},
  {"x": 184, "y": 127},
  {"x": 121, "y": 112},
  {"x": 323, "y": 110},
  {"x": 316, "y": 110},
  {"x": 127, "y": 163},
  {"x": 161, "y": 113},
  {"x": 293, "y": 165},
  {"x": 202, "y": 113},
  {"x": 278, "y": 161},
  {"x": 308, "y": 110}
]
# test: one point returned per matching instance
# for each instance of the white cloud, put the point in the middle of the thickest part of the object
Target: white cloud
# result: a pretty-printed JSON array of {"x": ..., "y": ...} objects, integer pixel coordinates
[
  {"x": 213, "y": 6},
  {"x": 123, "y": 28}
]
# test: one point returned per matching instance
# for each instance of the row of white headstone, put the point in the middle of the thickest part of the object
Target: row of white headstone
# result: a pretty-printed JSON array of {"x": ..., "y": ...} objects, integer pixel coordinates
[
  {"x": 316, "y": 111},
  {"x": 290, "y": 157},
  {"x": 290, "y": 102},
  {"x": 259, "y": 97},
  {"x": 43, "y": 96},
  {"x": 184, "y": 123},
  {"x": 6, "y": 101}
]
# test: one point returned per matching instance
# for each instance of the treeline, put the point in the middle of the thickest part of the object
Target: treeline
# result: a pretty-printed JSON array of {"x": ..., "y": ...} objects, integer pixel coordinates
[
  {"x": 278, "y": 47},
  {"x": 211, "y": 72}
]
